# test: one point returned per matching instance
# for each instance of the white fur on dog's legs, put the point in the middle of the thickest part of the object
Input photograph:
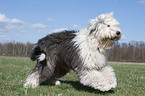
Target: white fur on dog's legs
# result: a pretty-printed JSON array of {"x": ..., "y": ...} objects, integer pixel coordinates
[
  {"x": 95, "y": 79},
  {"x": 57, "y": 82},
  {"x": 32, "y": 80},
  {"x": 109, "y": 74}
]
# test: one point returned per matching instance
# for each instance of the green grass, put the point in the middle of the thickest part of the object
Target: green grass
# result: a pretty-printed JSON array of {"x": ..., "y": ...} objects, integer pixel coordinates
[{"x": 14, "y": 70}]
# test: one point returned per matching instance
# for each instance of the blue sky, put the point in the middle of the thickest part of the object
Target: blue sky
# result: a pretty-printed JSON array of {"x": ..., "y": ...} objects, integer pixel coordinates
[{"x": 29, "y": 20}]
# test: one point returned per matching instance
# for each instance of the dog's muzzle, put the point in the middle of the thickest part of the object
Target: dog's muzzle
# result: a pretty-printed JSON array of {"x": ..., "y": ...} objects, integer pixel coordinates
[
  {"x": 117, "y": 37},
  {"x": 107, "y": 42}
]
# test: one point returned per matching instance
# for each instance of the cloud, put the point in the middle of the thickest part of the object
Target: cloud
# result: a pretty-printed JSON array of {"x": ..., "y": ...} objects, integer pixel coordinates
[
  {"x": 39, "y": 26},
  {"x": 141, "y": 2},
  {"x": 58, "y": 30},
  {"x": 50, "y": 19},
  {"x": 4, "y": 19},
  {"x": 7, "y": 25},
  {"x": 14, "y": 28},
  {"x": 4, "y": 38},
  {"x": 16, "y": 21},
  {"x": 15, "y": 25},
  {"x": 76, "y": 27}
]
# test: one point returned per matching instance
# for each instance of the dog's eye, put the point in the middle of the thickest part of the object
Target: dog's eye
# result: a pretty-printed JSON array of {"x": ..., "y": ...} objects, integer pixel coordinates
[{"x": 108, "y": 25}]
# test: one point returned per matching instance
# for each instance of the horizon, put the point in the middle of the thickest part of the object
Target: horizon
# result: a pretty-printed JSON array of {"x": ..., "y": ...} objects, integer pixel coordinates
[{"x": 29, "y": 21}]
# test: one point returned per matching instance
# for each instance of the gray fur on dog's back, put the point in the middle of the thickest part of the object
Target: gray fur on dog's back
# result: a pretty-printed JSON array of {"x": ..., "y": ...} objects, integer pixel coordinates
[{"x": 61, "y": 55}]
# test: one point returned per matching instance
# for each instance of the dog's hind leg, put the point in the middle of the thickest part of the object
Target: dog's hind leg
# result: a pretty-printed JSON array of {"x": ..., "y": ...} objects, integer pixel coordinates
[
  {"x": 33, "y": 78},
  {"x": 47, "y": 75},
  {"x": 109, "y": 74},
  {"x": 95, "y": 79}
]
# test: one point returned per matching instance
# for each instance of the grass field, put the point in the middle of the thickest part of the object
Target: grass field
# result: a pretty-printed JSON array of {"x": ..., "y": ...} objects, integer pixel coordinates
[{"x": 14, "y": 70}]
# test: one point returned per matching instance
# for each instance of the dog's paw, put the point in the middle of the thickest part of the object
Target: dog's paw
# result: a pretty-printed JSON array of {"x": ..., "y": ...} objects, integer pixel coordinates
[
  {"x": 106, "y": 87},
  {"x": 30, "y": 84},
  {"x": 113, "y": 84},
  {"x": 32, "y": 80},
  {"x": 57, "y": 82}
]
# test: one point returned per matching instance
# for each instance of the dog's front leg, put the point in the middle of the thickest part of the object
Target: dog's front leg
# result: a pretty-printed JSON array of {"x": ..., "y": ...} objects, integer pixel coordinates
[
  {"x": 109, "y": 74},
  {"x": 95, "y": 79}
]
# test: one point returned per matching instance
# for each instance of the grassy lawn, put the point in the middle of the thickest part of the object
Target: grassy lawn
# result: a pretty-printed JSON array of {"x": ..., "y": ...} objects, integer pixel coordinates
[{"x": 14, "y": 70}]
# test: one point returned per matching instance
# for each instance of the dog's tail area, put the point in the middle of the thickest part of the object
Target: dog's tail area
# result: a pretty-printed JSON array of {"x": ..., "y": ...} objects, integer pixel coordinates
[{"x": 37, "y": 54}]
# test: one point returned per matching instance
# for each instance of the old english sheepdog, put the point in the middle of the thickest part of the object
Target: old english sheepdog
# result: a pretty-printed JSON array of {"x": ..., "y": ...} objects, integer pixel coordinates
[{"x": 85, "y": 52}]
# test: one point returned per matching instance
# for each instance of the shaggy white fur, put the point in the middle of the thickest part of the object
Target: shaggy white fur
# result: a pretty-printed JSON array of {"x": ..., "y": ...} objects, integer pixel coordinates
[
  {"x": 89, "y": 53},
  {"x": 42, "y": 57},
  {"x": 57, "y": 82},
  {"x": 95, "y": 79},
  {"x": 94, "y": 43},
  {"x": 109, "y": 75},
  {"x": 32, "y": 80}
]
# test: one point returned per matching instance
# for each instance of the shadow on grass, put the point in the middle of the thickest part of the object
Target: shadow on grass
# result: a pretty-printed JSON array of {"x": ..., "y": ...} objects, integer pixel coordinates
[{"x": 77, "y": 85}]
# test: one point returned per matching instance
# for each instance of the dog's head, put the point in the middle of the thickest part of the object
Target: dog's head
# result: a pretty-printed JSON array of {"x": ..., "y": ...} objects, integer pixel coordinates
[{"x": 105, "y": 30}]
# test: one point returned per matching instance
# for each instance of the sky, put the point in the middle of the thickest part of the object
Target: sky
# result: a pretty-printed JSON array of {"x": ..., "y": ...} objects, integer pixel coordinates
[{"x": 30, "y": 20}]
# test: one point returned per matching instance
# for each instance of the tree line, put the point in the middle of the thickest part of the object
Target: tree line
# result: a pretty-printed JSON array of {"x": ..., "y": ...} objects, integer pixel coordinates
[
  {"x": 15, "y": 49},
  {"x": 132, "y": 51}
]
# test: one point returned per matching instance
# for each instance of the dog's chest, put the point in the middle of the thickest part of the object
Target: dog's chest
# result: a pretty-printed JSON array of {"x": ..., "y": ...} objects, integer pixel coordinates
[
  {"x": 90, "y": 56},
  {"x": 92, "y": 59}
]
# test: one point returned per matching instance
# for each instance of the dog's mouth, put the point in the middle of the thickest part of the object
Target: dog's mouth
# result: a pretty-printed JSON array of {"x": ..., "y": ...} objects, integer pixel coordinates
[{"x": 107, "y": 42}]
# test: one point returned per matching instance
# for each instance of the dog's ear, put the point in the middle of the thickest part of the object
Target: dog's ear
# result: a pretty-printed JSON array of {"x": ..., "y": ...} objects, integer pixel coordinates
[{"x": 92, "y": 26}]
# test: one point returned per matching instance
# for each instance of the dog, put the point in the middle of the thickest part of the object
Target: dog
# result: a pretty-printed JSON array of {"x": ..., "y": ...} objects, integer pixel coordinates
[{"x": 85, "y": 52}]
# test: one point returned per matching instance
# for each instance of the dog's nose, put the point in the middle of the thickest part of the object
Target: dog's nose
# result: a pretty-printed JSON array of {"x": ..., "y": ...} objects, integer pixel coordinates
[{"x": 118, "y": 33}]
